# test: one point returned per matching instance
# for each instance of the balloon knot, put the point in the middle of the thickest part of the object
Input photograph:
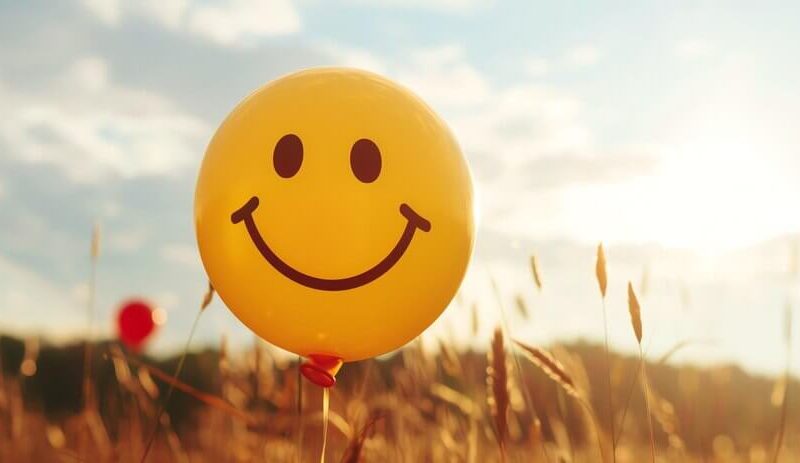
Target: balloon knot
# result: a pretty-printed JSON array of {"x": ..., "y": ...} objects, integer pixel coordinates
[{"x": 321, "y": 369}]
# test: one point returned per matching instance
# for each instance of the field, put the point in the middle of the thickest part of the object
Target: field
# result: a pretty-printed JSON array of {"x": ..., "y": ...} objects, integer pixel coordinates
[{"x": 509, "y": 402}]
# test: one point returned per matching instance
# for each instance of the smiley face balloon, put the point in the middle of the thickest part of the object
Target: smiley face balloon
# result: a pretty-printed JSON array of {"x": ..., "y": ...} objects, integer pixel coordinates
[{"x": 334, "y": 215}]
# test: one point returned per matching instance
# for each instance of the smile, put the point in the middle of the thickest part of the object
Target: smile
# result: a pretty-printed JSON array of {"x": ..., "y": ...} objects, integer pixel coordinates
[{"x": 414, "y": 222}]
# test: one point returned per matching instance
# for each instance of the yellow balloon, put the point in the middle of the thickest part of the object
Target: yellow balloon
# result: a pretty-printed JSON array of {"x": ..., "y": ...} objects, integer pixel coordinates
[{"x": 334, "y": 213}]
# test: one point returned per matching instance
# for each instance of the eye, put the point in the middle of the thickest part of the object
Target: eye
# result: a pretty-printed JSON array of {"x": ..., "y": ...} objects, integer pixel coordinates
[
  {"x": 288, "y": 155},
  {"x": 365, "y": 160}
]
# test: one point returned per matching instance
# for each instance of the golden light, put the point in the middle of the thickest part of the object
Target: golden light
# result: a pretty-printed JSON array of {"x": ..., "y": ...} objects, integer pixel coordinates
[
  {"x": 159, "y": 316},
  {"x": 718, "y": 185}
]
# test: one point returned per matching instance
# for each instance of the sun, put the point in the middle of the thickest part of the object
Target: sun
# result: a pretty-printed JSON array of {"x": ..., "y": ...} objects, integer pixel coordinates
[
  {"x": 715, "y": 188},
  {"x": 715, "y": 193}
]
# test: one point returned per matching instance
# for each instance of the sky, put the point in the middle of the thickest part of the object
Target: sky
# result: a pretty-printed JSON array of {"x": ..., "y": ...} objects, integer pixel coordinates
[{"x": 665, "y": 130}]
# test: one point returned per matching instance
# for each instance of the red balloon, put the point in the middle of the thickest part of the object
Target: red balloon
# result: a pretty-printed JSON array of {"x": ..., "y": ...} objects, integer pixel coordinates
[{"x": 135, "y": 323}]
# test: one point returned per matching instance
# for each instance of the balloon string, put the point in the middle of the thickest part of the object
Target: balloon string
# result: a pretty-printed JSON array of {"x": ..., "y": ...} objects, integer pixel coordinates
[
  {"x": 300, "y": 423},
  {"x": 163, "y": 405},
  {"x": 325, "y": 407}
]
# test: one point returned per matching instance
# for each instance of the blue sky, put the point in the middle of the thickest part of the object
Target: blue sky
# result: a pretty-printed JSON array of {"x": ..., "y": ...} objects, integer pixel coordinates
[{"x": 664, "y": 129}]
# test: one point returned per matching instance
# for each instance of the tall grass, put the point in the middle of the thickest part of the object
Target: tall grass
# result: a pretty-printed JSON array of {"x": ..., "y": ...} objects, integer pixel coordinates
[
  {"x": 602, "y": 282},
  {"x": 205, "y": 302},
  {"x": 787, "y": 323},
  {"x": 497, "y": 385},
  {"x": 453, "y": 405},
  {"x": 636, "y": 323}
]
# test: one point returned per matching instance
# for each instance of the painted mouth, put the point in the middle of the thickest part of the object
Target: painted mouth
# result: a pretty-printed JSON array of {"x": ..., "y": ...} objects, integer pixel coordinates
[{"x": 414, "y": 222}]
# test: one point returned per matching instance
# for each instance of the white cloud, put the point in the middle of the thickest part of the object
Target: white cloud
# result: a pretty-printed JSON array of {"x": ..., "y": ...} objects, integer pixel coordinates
[
  {"x": 690, "y": 49},
  {"x": 237, "y": 22},
  {"x": 181, "y": 253},
  {"x": 443, "y": 77},
  {"x": 168, "y": 13},
  {"x": 582, "y": 56},
  {"x": 167, "y": 300},
  {"x": 126, "y": 240},
  {"x": 240, "y": 19},
  {"x": 354, "y": 57},
  {"x": 91, "y": 127},
  {"x": 442, "y": 5},
  {"x": 89, "y": 73},
  {"x": 32, "y": 299},
  {"x": 107, "y": 11},
  {"x": 537, "y": 67},
  {"x": 528, "y": 143}
]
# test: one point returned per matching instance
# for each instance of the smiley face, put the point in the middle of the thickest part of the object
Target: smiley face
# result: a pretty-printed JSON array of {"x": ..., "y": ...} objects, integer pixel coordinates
[{"x": 333, "y": 213}]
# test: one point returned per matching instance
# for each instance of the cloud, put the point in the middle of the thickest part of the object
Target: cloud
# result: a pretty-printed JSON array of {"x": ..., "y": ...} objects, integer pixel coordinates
[
  {"x": 537, "y": 67},
  {"x": 500, "y": 128},
  {"x": 181, "y": 253},
  {"x": 438, "y": 5},
  {"x": 240, "y": 19},
  {"x": 236, "y": 22},
  {"x": 442, "y": 76},
  {"x": 27, "y": 298},
  {"x": 126, "y": 240},
  {"x": 530, "y": 145},
  {"x": 583, "y": 56},
  {"x": 108, "y": 122},
  {"x": 168, "y": 13},
  {"x": 354, "y": 57},
  {"x": 167, "y": 300},
  {"x": 690, "y": 49},
  {"x": 520, "y": 138},
  {"x": 107, "y": 11},
  {"x": 84, "y": 123},
  {"x": 564, "y": 170}
]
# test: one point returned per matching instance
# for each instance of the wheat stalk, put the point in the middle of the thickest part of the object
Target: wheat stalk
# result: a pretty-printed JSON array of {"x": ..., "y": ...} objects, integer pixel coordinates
[
  {"x": 204, "y": 397},
  {"x": 207, "y": 297},
  {"x": 517, "y": 366},
  {"x": 787, "y": 380},
  {"x": 94, "y": 254},
  {"x": 636, "y": 323},
  {"x": 677, "y": 347},
  {"x": 636, "y": 313},
  {"x": 536, "y": 275},
  {"x": 600, "y": 270},
  {"x": 664, "y": 413},
  {"x": 522, "y": 308},
  {"x": 456, "y": 399},
  {"x": 497, "y": 384},
  {"x": 602, "y": 282},
  {"x": 91, "y": 418},
  {"x": 475, "y": 321},
  {"x": 352, "y": 453},
  {"x": 551, "y": 367}
]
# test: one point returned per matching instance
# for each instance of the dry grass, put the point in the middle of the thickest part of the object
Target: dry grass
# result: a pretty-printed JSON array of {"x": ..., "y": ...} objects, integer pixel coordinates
[
  {"x": 219, "y": 413},
  {"x": 600, "y": 270},
  {"x": 784, "y": 397},
  {"x": 497, "y": 384},
  {"x": 537, "y": 278},
  {"x": 601, "y": 274},
  {"x": 636, "y": 323},
  {"x": 552, "y": 368},
  {"x": 224, "y": 406},
  {"x": 636, "y": 314}
]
